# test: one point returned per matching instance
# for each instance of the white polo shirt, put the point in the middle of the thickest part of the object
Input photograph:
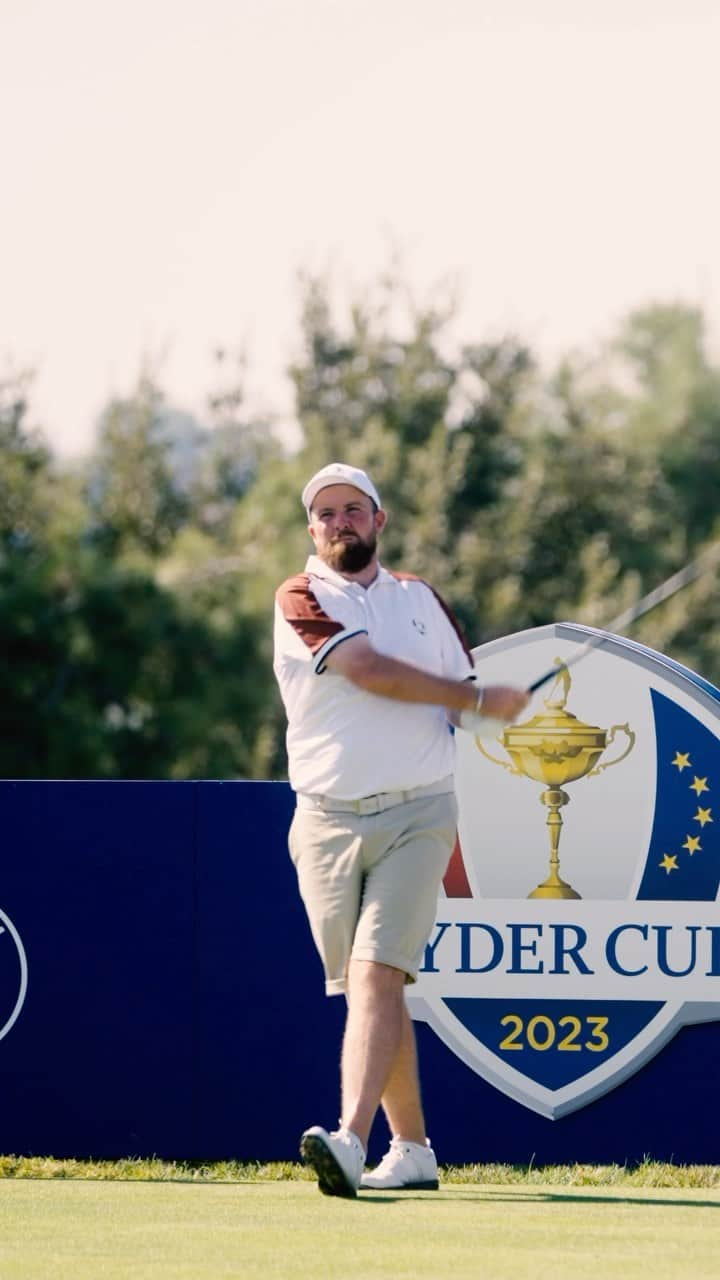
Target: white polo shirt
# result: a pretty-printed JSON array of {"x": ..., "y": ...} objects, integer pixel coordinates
[{"x": 344, "y": 742}]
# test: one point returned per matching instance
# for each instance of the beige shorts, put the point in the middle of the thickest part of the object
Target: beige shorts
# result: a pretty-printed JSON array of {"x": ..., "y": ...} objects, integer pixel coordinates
[{"x": 370, "y": 882}]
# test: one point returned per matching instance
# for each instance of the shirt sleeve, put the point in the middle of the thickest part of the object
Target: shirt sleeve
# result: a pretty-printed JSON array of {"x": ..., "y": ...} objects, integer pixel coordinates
[
  {"x": 319, "y": 624},
  {"x": 458, "y": 660}
]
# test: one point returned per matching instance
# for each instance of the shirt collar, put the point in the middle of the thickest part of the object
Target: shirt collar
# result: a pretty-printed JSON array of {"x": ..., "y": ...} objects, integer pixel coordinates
[{"x": 319, "y": 569}]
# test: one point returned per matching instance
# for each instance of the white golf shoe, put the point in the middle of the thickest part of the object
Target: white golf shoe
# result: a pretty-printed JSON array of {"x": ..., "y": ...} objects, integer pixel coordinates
[
  {"x": 338, "y": 1159},
  {"x": 407, "y": 1166}
]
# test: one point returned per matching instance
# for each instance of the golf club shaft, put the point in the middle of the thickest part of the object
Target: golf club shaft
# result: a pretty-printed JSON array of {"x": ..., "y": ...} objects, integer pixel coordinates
[{"x": 675, "y": 583}]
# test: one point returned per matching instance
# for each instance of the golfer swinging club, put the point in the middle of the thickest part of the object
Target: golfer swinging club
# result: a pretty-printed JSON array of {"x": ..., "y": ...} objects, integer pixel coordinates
[{"x": 371, "y": 667}]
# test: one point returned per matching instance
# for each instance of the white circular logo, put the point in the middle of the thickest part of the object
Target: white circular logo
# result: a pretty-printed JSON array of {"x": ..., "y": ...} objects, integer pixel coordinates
[{"x": 13, "y": 974}]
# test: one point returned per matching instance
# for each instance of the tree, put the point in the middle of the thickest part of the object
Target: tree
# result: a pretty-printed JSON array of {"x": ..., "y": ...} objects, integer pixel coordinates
[
  {"x": 432, "y": 428},
  {"x": 136, "y": 503},
  {"x": 676, "y": 412},
  {"x": 136, "y": 599}
]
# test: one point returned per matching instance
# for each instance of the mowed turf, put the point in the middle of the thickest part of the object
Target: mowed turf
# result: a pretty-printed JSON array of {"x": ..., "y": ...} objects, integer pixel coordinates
[{"x": 76, "y": 1229}]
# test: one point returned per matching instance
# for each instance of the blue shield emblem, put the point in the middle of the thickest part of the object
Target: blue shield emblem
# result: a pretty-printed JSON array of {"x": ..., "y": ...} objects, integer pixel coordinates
[{"x": 577, "y": 930}]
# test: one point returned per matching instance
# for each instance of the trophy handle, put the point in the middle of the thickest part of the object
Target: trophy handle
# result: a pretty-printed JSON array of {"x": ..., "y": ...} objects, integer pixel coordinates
[
  {"x": 617, "y": 728},
  {"x": 495, "y": 759}
]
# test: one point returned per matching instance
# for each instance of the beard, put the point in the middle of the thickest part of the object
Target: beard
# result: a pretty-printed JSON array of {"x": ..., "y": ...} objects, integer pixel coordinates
[{"x": 352, "y": 556}]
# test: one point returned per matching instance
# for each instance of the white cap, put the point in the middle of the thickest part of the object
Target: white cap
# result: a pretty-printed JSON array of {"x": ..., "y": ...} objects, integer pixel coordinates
[{"x": 339, "y": 473}]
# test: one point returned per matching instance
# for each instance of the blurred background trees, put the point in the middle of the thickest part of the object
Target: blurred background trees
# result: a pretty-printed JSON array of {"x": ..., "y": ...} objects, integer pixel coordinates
[{"x": 136, "y": 589}]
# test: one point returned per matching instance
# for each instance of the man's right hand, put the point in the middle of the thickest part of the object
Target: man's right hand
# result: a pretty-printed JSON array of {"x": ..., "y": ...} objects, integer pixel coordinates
[{"x": 501, "y": 704}]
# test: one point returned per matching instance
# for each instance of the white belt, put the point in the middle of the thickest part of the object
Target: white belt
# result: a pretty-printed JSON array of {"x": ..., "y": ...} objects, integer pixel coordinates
[{"x": 377, "y": 803}]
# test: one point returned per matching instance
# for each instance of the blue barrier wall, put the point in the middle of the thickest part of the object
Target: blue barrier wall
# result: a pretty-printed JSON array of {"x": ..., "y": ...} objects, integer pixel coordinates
[{"x": 175, "y": 1005}]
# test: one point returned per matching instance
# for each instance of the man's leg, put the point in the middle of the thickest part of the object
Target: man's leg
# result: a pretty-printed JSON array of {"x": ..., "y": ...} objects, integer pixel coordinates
[
  {"x": 378, "y": 1049},
  {"x": 410, "y": 1163},
  {"x": 401, "y": 1100},
  {"x": 378, "y": 1021},
  {"x": 374, "y": 1034},
  {"x": 379, "y": 1058}
]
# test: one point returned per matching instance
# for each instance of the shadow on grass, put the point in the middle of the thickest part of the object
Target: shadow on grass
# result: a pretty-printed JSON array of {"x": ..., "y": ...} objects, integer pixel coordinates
[{"x": 486, "y": 1195}]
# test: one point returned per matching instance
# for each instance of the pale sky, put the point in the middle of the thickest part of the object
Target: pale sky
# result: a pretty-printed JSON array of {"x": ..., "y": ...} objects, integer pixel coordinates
[{"x": 170, "y": 165}]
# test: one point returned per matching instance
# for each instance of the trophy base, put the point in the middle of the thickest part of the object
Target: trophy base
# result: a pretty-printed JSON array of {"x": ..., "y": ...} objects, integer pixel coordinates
[{"x": 554, "y": 889}]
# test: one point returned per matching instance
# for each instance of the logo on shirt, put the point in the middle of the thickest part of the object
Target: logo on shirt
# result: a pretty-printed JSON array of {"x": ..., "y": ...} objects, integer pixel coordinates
[
  {"x": 13, "y": 974},
  {"x": 419, "y": 626},
  {"x": 578, "y": 929}
]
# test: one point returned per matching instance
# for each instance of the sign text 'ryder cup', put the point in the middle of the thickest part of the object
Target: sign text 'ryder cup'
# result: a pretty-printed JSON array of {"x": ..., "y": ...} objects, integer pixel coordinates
[{"x": 611, "y": 950}]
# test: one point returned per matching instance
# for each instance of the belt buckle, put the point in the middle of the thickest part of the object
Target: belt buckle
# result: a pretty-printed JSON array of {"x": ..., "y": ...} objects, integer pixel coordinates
[{"x": 369, "y": 805}]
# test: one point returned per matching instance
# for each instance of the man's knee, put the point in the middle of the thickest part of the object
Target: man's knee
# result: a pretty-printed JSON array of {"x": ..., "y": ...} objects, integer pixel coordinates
[{"x": 372, "y": 976}]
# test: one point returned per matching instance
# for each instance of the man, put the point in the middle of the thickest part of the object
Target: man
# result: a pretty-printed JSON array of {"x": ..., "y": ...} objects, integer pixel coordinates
[{"x": 371, "y": 666}]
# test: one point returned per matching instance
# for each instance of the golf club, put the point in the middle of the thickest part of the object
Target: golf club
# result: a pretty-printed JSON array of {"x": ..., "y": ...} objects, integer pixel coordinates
[{"x": 705, "y": 561}]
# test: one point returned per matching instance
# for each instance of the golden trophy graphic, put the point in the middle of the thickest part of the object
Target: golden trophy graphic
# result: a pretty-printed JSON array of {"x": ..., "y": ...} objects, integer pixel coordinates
[{"x": 556, "y": 748}]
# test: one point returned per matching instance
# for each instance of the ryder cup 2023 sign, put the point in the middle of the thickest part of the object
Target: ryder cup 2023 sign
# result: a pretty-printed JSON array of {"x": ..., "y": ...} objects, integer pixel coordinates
[{"x": 578, "y": 927}]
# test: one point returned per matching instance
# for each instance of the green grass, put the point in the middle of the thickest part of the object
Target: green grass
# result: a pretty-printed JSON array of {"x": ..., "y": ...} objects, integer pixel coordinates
[
  {"x": 279, "y": 1230},
  {"x": 75, "y": 1220},
  {"x": 649, "y": 1173}
]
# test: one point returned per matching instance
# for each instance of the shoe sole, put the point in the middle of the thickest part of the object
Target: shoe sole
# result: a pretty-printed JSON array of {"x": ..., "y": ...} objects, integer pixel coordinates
[
  {"x": 403, "y": 1186},
  {"x": 331, "y": 1178}
]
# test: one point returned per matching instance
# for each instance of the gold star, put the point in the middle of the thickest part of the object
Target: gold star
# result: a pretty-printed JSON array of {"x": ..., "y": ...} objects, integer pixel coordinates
[
  {"x": 692, "y": 844},
  {"x": 682, "y": 760},
  {"x": 699, "y": 785},
  {"x": 669, "y": 862},
  {"x": 702, "y": 816}
]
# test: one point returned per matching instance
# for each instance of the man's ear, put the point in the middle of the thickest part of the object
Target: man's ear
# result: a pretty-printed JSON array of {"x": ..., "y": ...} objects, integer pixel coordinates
[{"x": 381, "y": 519}]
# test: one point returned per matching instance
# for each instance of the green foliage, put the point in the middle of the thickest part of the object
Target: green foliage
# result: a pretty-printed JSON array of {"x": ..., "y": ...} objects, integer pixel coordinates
[
  {"x": 134, "y": 503},
  {"x": 136, "y": 594},
  {"x": 24, "y": 473},
  {"x": 106, "y": 671},
  {"x": 113, "y": 676}
]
